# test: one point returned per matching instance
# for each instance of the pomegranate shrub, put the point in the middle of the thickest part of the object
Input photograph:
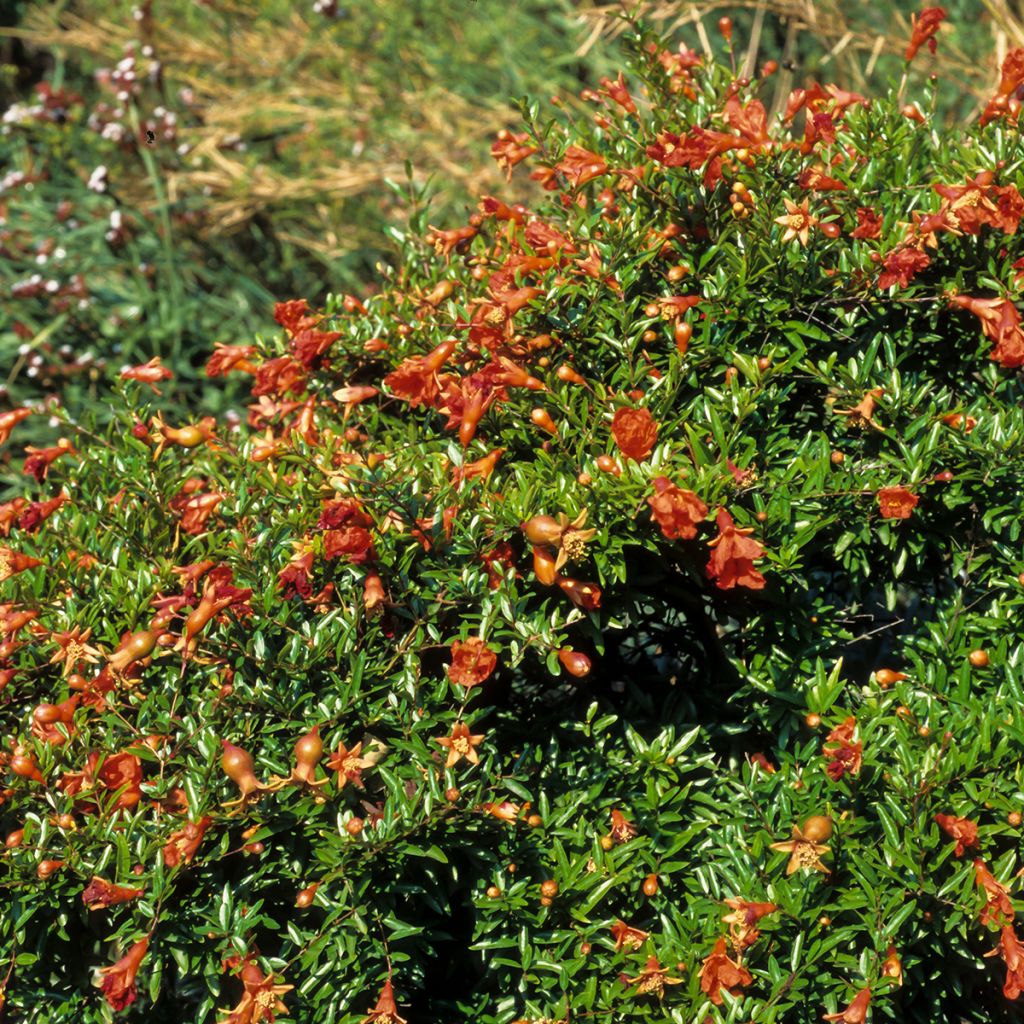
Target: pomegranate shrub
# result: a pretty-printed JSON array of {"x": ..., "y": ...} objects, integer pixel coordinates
[{"x": 611, "y": 618}]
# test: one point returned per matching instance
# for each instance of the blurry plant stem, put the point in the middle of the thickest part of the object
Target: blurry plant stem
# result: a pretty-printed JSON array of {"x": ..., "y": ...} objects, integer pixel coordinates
[{"x": 167, "y": 239}]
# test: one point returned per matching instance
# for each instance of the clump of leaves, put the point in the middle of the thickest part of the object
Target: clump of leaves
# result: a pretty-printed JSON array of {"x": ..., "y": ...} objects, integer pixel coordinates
[{"x": 616, "y": 615}]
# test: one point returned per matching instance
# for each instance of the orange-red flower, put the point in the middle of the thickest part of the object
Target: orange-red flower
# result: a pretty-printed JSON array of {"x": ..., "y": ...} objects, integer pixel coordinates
[
  {"x": 482, "y": 468},
  {"x": 892, "y": 967},
  {"x": 9, "y": 420},
  {"x": 295, "y": 315},
  {"x": 677, "y": 512},
  {"x": 310, "y": 345},
  {"x": 622, "y": 828},
  {"x": 924, "y": 26},
  {"x": 856, "y": 1012},
  {"x": 798, "y": 221},
  {"x": 869, "y": 223},
  {"x": 415, "y": 379},
  {"x": 653, "y": 978},
  {"x": 635, "y": 432},
  {"x": 118, "y": 980},
  {"x": 121, "y": 772},
  {"x": 40, "y": 459},
  {"x": 963, "y": 830},
  {"x": 804, "y": 852},
  {"x": 902, "y": 265},
  {"x": 196, "y": 509},
  {"x": 618, "y": 92},
  {"x": 386, "y": 1010},
  {"x": 472, "y": 662},
  {"x": 183, "y": 844},
  {"x": 73, "y": 649},
  {"x": 101, "y": 893},
  {"x": 1000, "y": 321},
  {"x": 579, "y": 166},
  {"x": 39, "y": 511},
  {"x": 511, "y": 148},
  {"x": 733, "y": 554},
  {"x": 998, "y": 908},
  {"x": 13, "y": 562},
  {"x": 758, "y": 758},
  {"x": 862, "y": 415},
  {"x": 9, "y": 512},
  {"x": 504, "y": 810},
  {"x": 841, "y": 751},
  {"x": 1011, "y": 79},
  {"x": 584, "y": 595},
  {"x": 1012, "y": 72},
  {"x": 150, "y": 373},
  {"x": 230, "y": 357},
  {"x": 896, "y": 502},
  {"x": 349, "y": 764},
  {"x": 461, "y": 744},
  {"x": 956, "y": 420},
  {"x": 346, "y": 531},
  {"x": 294, "y": 578},
  {"x": 1012, "y": 952},
  {"x": 628, "y": 936},
  {"x": 719, "y": 971},
  {"x": 979, "y": 201},
  {"x": 742, "y": 920},
  {"x": 261, "y": 1000},
  {"x": 499, "y": 559}
]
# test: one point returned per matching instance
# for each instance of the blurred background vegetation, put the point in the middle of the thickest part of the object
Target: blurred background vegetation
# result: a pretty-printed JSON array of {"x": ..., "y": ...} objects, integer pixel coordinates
[{"x": 277, "y": 126}]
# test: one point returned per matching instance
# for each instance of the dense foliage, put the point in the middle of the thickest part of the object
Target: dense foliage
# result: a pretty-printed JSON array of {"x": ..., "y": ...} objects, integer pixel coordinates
[{"x": 617, "y": 616}]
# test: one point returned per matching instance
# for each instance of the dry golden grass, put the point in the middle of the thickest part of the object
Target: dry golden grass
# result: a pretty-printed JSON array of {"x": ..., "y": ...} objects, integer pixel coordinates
[{"x": 278, "y": 81}]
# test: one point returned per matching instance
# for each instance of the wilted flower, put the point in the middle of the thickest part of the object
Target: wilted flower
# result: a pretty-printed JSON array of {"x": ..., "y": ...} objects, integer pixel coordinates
[
  {"x": 924, "y": 26},
  {"x": 101, "y": 893},
  {"x": 842, "y": 753}
]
